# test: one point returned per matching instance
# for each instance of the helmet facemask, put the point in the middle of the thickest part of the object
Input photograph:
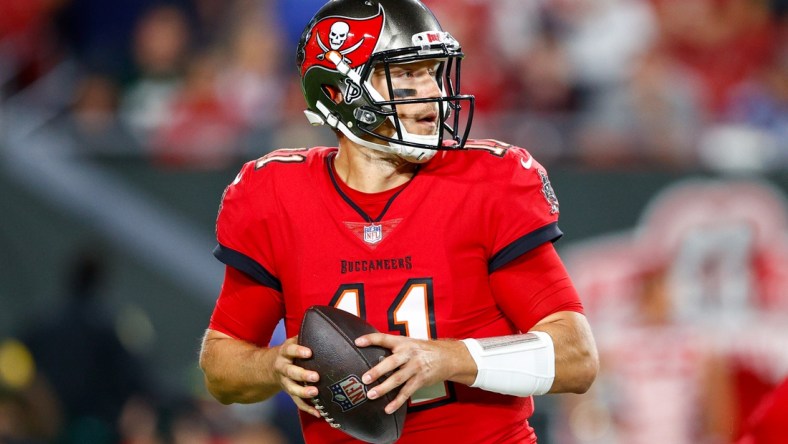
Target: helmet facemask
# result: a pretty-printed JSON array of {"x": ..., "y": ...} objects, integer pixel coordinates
[{"x": 449, "y": 105}]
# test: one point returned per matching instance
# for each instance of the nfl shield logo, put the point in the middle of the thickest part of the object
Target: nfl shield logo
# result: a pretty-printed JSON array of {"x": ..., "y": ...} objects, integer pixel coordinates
[
  {"x": 348, "y": 393},
  {"x": 373, "y": 233}
]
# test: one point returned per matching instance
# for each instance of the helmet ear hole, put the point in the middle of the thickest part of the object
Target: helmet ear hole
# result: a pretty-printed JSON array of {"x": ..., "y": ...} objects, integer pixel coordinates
[{"x": 333, "y": 93}]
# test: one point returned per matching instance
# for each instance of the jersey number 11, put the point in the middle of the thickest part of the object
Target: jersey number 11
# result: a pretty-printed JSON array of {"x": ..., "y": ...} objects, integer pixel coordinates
[{"x": 412, "y": 314}]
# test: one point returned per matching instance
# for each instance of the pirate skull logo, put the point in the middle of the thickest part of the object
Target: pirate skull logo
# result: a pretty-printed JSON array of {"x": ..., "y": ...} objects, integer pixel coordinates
[
  {"x": 332, "y": 42},
  {"x": 338, "y": 34}
]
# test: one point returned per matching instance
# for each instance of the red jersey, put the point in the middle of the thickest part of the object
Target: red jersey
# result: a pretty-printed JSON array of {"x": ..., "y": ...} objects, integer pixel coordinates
[{"x": 420, "y": 268}]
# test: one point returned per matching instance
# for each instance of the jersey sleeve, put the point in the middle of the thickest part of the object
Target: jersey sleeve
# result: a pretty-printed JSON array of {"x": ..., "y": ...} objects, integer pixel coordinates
[
  {"x": 525, "y": 213},
  {"x": 533, "y": 286},
  {"x": 245, "y": 309},
  {"x": 245, "y": 226}
]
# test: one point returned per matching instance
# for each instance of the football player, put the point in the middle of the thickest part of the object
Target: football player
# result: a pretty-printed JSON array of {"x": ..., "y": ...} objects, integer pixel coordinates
[
  {"x": 688, "y": 308},
  {"x": 444, "y": 244}
]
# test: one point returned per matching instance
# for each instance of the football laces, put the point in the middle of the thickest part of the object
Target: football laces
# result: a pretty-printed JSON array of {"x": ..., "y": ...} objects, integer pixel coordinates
[{"x": 319, "y": 406}]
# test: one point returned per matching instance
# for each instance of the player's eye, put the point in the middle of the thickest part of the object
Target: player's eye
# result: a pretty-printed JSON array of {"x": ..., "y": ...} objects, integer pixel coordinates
[{"x": 401, "y": 73}]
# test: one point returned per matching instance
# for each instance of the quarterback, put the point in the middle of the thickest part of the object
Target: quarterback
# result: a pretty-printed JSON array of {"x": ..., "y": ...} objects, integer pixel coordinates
[{"x": 443, "y": 243}]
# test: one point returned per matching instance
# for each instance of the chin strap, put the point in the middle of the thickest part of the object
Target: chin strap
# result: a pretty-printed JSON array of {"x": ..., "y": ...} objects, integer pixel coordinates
[
  {"x": 417, "y": 155},
  {"x": 409, "y": 153}
]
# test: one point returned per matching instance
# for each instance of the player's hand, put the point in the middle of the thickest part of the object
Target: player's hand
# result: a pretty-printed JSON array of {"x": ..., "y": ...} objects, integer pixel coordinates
[
  {"x": 294, "y": 379},
  {"x": 414, "y": 363}
]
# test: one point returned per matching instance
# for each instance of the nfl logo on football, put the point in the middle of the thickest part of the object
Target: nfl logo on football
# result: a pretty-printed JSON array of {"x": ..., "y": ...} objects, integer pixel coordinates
[
  {"x": 373, "y": 234},
  {"x": 349, "y": 392}
]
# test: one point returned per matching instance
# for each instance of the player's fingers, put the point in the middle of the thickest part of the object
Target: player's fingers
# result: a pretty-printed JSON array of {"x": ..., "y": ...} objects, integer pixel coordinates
[
  {"x": 398, "y": 401},
  {"x": 404, "y": 394},
  {"x": 384, "y": 367},
  {"x": 299, "y": 374},
  {"x": 293, "y": 351},
  {"x": 306, "y": 406},
  {"x": 295, "y": 389},
  {"x": 393, "y": 381},
  {"x": 379, "y": 339}
]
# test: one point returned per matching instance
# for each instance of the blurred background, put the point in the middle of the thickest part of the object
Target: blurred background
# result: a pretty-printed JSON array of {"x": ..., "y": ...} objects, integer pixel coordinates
[{"x": 663, "y": 123}]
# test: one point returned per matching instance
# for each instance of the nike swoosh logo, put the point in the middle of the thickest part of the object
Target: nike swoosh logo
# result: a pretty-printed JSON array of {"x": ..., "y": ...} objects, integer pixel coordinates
[{"x": 527, "y": 164}]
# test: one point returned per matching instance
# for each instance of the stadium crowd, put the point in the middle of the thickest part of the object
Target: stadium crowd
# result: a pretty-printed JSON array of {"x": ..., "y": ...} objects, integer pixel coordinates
[
  {"x": 603, "y": 84},
  {"x": 201, "y": 84}
]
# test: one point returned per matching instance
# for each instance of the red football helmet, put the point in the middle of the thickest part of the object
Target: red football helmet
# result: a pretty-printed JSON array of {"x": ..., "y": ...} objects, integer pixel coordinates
[{"x": 346, "y": 40}]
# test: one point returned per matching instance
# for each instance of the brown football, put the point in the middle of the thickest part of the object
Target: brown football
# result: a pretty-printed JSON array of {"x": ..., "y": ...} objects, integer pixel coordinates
[{"x": 342, "y": 398}]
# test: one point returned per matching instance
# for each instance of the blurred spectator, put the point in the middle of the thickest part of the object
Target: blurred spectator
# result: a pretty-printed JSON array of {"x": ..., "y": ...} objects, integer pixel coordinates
[
  {"x": 516, "y": 25},
  {"x": 213, "y": 19},
  {"x": 200, "y": 132},
  {"x": 763, "y": 102},
  {"x": 161, "y": 49},
  {"x": 249, "y": 80},
  {"x": 723, "y": 41},
  {"x": 545, "y": 97},
  {"x": 604, "y": 38},
  {"x": 545, "y": 77},
  {"x": 653, "y": 118},
  {"x": 93, "y": 121},
  {"x": 79, "y": 355},
  {"x": 249, "y": 83},
  {"x": 754, "y": 133}
]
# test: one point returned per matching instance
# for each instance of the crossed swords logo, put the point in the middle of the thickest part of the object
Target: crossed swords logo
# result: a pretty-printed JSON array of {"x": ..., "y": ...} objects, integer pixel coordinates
[{"x": 337, "y": 37}]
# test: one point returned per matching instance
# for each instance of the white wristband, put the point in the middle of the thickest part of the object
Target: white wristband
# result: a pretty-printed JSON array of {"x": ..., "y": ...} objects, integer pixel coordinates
[{"x": 519, "y": 365}]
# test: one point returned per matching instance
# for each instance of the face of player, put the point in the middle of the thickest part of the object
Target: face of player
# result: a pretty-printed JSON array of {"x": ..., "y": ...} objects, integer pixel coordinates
[{"x": 415, "y": 80}]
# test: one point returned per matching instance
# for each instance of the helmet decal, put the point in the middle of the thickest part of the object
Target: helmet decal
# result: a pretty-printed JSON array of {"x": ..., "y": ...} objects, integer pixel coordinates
[{"x": 333, "y": 40}]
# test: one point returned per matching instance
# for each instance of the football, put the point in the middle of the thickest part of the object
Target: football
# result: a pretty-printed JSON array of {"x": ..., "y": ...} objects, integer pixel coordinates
[{"x": 342, "y": 399}]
